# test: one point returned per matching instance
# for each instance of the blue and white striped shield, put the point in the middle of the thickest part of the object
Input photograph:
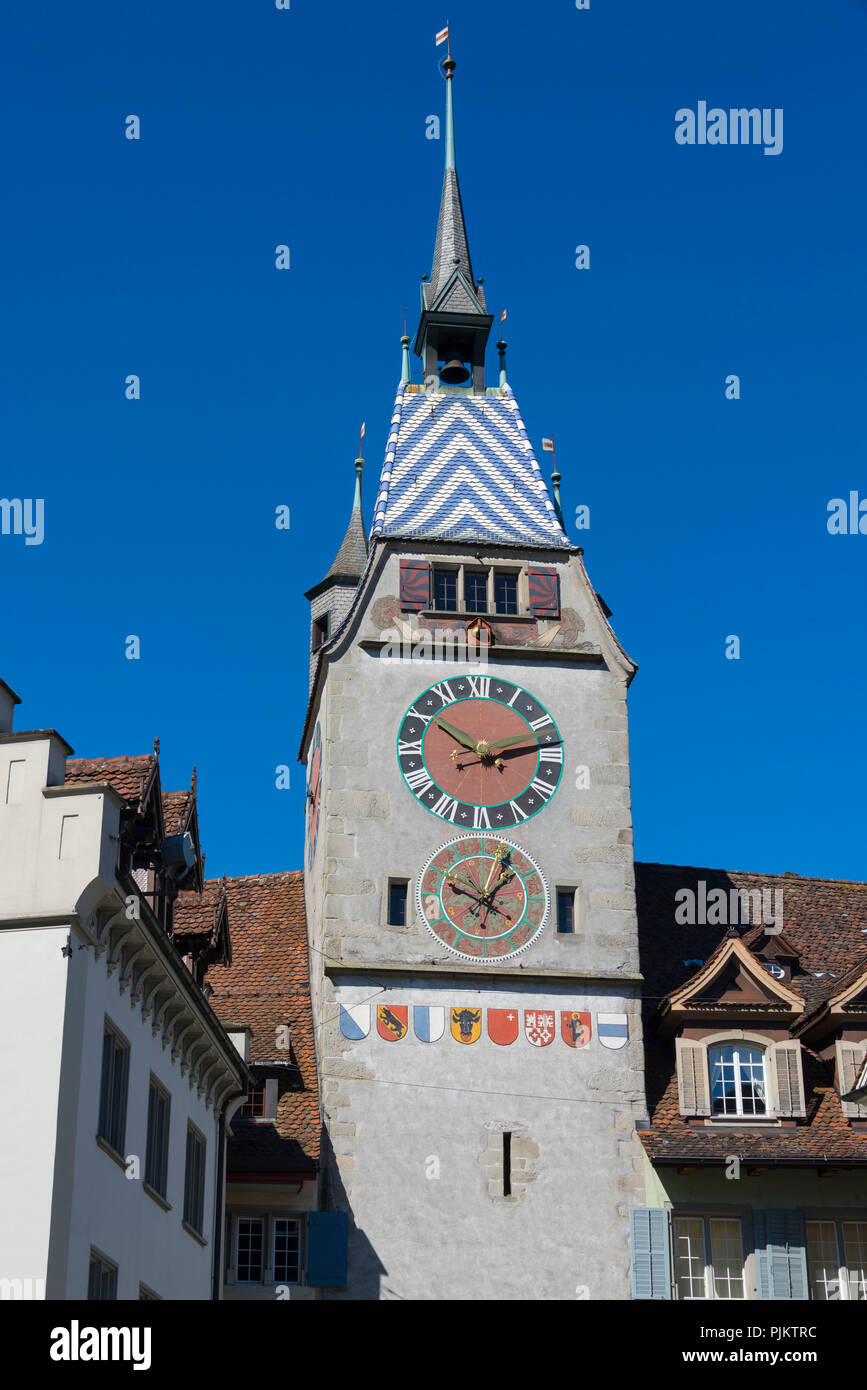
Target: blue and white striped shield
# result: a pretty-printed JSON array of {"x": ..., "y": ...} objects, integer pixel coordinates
[
  {"x": 612, "y": 1030},
  {"x": 429, "y": 1022},
  {"x": 355, "y": 1021}
]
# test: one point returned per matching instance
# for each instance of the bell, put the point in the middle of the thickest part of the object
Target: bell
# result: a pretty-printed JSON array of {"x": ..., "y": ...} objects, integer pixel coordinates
[{"x": 454, "y": 372}]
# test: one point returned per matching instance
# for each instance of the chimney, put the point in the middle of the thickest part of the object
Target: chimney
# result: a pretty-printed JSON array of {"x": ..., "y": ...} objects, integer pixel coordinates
[{"x": 8, "y": 701}]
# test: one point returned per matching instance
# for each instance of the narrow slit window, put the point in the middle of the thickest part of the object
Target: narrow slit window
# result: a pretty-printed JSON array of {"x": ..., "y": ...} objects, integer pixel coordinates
[
  {"x": 397, "y": 893},
  {"x": 565, "y": 909},
  {"x": 320, "y": 630},
  {"x": 507, "y": 1163}
]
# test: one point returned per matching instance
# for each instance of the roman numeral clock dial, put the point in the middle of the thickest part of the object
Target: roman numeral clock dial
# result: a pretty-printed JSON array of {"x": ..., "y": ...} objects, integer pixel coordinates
[{"x": 480, "y": 753}]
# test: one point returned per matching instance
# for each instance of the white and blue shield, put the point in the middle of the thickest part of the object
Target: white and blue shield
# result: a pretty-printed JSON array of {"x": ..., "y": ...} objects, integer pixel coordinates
[
  {"x": 612, "y": 1030},
  {"x": 429, "y": 1023},
  {"x": 355, "y": 1021}
]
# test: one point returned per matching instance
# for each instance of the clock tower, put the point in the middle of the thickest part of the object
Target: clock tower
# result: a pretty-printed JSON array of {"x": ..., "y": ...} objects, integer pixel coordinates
[{"x": 468, "y": 864}]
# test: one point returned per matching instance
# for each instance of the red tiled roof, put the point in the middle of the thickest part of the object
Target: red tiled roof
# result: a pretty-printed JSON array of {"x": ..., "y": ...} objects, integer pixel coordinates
[
  {"x": 267, "y": 986},
  {"x": 195, "y": 914},
  {"x": 126, "y": 775},
  {"x": 174, "y": 809},
  {"x": 825, "y": 921}
]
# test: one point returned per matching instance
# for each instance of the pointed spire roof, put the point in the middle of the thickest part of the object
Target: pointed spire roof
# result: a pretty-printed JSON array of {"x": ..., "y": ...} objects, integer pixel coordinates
[
  {"x": 351, "y": 558},
  {"x": 452, "y": 286}
]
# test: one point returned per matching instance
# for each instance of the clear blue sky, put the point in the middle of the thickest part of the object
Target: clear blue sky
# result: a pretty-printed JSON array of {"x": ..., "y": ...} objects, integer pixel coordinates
[{"x": 307, "y": 127}]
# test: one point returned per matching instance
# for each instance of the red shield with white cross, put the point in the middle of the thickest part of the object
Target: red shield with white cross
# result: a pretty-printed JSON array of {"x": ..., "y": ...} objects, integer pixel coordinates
[
  {"x": 539, "y": 1026},
  {"x": 502, "y": 1026}
]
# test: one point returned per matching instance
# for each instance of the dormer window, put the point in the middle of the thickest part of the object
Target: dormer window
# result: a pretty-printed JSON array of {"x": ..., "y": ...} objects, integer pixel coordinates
[
  {"x": 737, "y": 1075},
  {"x": 320, "y": 630}
]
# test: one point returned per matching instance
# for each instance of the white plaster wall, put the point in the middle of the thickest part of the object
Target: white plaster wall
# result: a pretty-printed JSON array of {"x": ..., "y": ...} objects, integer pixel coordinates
[
  {"x": 33, "y": 975},
  {"x": 103, "y": 1207}
]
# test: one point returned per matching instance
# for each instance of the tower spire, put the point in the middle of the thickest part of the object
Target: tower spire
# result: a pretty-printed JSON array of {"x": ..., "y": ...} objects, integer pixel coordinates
[{"x": 454, "y": 323}]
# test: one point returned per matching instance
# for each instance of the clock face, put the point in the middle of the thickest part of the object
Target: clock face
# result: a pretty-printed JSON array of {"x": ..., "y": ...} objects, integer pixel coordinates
[
  {"x": 314, "y": 778},
  {"x": 480, "y": 752},
  {"x": 482, "y": 897}
]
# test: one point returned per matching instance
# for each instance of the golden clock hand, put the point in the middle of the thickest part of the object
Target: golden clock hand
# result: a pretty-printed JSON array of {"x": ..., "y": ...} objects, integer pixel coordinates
[
  {"x": 508, "y": 742},
  {"x": 465, "y": 739},
  {"x": 500, "y": 854}
]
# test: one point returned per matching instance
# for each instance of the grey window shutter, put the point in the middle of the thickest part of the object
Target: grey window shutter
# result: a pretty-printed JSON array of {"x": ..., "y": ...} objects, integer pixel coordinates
[
  {"x": 781, "y": 1256},
  {"x": 789, "y": 1077},
  {"x": 692, "y": 1081},
  {"x": 850, "y": 1058},
  {"x": 649, "y": 1252},
  {"x": 271, "y": 1098}
]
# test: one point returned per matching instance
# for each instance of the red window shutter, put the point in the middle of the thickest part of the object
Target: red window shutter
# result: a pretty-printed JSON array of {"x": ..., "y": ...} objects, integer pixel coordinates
[
  {"x": 544, "y": 592},
  {"x": 414, "y": 585}
]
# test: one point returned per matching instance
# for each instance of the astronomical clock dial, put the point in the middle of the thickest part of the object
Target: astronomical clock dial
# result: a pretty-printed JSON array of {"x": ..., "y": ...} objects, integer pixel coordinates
[
  {"x": 482, "y": 897},
  {"x": 314, "y": 779},
  {"x": 480, "y": 752}
]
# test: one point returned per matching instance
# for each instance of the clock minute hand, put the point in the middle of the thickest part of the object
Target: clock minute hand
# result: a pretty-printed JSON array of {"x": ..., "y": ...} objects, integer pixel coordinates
[
  {"x": 465, "y": 739},
  {"x": 507, "y": 742}
]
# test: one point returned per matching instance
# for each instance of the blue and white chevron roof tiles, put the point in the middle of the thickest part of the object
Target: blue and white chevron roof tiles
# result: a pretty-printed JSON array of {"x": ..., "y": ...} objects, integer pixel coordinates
[{"x": 461, "y": 467}]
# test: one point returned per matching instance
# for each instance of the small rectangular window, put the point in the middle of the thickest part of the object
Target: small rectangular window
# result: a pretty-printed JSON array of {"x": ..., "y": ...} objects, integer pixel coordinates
[
  {"x": 101, "y": 1279},
  {"x": 446, "y": 591},
  {"x": 565, "y": 909},
  {"x": 507, "y": 1163},
  {"x": 505, "y": 593},
  {"x": 113, "y": 1089},
  {"x": 475, "y": 592},
  {"x": 254, "y": 1106},
  {"x": 250, "y": 1252},
  {"x": 397, "y": 893},
  {"x": 194, "y": 1180},
  {"x": 321, "y": 626},
  {"x": 157, "y": 1152},
  {"x": 287, "y": 1251}
]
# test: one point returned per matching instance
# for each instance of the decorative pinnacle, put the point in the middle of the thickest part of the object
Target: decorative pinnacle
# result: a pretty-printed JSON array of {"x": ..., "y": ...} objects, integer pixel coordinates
[
  {"x": 359, "y": 469},
  {"x": 157, "y": 746}
]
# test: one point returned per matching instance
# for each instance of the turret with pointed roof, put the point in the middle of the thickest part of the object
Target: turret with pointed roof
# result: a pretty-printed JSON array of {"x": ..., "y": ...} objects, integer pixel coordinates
[{"x": 331, "y": 599}]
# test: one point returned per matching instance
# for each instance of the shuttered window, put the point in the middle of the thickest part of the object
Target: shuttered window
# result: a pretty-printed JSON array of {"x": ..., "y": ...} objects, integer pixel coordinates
[
  {"x": 544, "y": 592},
  {"x": 157, "y": 1154},
  {"x": 114, "y": 1087},
  {"x": 692, "y": 1077},
  {"x": 850, "y": 1059},
  {"x": 194, "y": 1180},
  {"x": 708, "y": 1257},
  {"x": 788, "y": 1075},
  {"x": 649, "y": 1253},
  {"x": 327, "y": 1253},
  {"x": 781, "y": 1256},
  {"x": 414, "y": 585}
]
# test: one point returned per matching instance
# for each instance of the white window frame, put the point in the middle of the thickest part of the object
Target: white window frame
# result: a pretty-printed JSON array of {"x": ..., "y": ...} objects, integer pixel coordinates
[
  {"x": 268, "y": 1220},
  {"x": 710, "y": 1294},
  {"x": 739, "y": 1113},
  {"x": 842, "y": 1282},
  {"x": 460, "y": 570}
]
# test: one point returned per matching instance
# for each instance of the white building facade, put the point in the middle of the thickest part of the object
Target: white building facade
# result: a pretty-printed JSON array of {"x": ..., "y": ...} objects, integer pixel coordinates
[{"x": 116, "y": 1079}]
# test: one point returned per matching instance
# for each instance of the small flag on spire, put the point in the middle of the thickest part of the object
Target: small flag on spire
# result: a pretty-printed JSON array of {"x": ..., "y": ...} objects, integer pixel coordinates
[
  {"x": 443, "y": 36},
  {"x": 362, "y": 430},
  {"x": 502, "y": 318},
  {"x": 548, "y": 446}
]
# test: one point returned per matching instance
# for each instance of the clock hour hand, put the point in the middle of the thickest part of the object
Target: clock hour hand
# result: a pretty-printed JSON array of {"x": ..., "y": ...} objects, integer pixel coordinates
[{"x": 465, "y": 739}]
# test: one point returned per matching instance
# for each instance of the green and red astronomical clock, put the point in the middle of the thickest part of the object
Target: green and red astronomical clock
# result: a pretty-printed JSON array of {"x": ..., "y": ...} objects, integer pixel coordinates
[
  {"x": 314, "y": 779},
  {"x": 480, "y": 752},
  {"x": 482, "y": 897}
]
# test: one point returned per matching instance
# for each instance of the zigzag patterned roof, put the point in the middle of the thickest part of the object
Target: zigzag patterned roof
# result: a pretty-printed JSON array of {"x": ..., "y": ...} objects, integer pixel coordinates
[{"x": 461, "y": 467}]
